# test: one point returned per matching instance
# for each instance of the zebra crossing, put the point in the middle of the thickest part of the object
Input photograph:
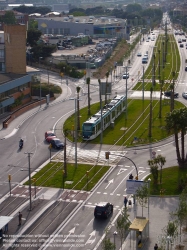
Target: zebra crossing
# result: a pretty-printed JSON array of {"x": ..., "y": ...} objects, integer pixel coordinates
[{"x": 89, "y": 156}]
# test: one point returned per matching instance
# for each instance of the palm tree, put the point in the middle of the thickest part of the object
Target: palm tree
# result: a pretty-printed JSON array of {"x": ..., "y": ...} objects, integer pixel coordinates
[
  {"x": 158, "y": 161},
  {"x": 78, "y": 109},
  {"x": 88, "y": 83},
  {"x": 106, "y": 86},
  {"x": 176, "y": 122}
]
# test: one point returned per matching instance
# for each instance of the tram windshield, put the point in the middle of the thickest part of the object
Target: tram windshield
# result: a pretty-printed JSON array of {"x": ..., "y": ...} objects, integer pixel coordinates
[{"x": 87, "y": 127}]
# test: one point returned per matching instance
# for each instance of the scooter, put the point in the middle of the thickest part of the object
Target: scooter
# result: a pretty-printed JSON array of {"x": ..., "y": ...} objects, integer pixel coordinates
[{"x": 20, "y": 144}]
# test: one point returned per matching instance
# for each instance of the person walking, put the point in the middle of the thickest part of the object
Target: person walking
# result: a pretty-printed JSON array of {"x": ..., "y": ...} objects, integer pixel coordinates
[
  {"x": 19, "y": 218},
  {"x": 155, "y": 247},
  {"x": 125, "y": 201}
]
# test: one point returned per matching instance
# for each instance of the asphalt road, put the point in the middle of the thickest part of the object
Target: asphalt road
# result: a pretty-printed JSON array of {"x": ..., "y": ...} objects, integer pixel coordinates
[{"x": 112, "y": 189}]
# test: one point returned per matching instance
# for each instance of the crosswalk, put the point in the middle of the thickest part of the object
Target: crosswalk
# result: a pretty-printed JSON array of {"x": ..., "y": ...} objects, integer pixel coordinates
[{"x": 89, "y": 156}]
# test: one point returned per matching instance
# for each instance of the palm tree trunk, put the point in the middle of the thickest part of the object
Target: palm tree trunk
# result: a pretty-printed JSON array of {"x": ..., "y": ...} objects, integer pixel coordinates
[
  {"x": 182, "y": 147},
  {"x": 177, "y": 148}
]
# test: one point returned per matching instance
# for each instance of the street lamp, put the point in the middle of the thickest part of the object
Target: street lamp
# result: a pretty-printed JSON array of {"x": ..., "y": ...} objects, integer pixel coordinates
[
  {"x": 63, "y": 173},
  {"x": 30, "y": 198},
  {"x": 40, "y": 80},
  {"x": 75, "y": 129},
  {"x": 48, "y": 77},
  {"x": 34, "y": 180},
  {"x": 87, "y": 175}
]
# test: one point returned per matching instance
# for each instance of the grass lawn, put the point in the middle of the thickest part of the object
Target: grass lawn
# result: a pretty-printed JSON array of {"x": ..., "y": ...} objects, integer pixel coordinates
[
  {"x": 136, "y": 124},
  {"x": 173, "y": 179},
  {"x": 84, "y": 177}
]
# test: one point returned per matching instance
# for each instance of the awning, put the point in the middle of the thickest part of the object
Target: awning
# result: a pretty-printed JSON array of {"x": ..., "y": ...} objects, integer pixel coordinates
[
  {"x": 5, "y": 220},
  {"x": 139, "y": 224}
]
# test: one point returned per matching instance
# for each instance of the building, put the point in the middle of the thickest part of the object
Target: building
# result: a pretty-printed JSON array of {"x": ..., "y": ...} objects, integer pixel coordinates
[
  {"x": 14, "y": 80},
  {"x": 87, "y": 25}
]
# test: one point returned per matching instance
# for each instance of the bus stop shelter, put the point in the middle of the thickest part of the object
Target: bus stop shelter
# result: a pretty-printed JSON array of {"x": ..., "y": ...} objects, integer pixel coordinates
[
  {"x": 4, "y": 220},
  {"x": 140, "y": 227}
]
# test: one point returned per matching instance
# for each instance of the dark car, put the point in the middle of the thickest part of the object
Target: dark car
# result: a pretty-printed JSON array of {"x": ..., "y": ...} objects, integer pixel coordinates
[
  {"x": 125, "y": 75},
  {"x": 57, "y": 144},
  {"x": 181, "y": 45},
  {"x": 49, "y": 133},
  {"x": 168, "y": 94},
  {"x": 184, "y": 94},
  {"x": 186, "y": 66},
  {"x": 103, "y": 210}
]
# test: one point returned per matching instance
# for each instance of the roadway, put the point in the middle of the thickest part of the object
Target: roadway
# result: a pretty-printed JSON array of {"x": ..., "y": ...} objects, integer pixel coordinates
[{"x": 112, "y": 188}]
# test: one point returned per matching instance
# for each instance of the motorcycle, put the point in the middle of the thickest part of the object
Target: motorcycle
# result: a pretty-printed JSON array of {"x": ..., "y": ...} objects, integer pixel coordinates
[{"x": 20, "y": 144}]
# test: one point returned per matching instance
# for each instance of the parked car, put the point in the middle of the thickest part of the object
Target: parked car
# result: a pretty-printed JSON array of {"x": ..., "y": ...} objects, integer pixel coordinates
[
  {"x": 103, "y": 210},
  {"x": 139, "y": 54},
  {"x": 186, "y": 68},
  {"x": 49, "y": 138},
  {"x": 125, "y": 75},
  {"x": 57, "y": 144},
  {"x": 181, "y": 45},
  {"x": 168, "y": 94},
  {"x": 49, "y": 133},
  {"x": 184, "y": 94}
]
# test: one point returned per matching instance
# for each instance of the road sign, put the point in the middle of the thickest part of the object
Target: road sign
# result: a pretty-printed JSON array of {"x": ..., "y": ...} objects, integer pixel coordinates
[{"x": 133, "y": 185}]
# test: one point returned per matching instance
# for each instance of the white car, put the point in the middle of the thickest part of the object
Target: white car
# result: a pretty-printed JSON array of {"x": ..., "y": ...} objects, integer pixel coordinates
[
  {"x": 139, "y": 54},
  {"x": 184, "y": 94},
  {"x": 125, "y": 75}
]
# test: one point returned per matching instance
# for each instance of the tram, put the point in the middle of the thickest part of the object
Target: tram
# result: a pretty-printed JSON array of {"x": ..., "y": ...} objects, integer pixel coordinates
[{"x": 92, "y": 127}]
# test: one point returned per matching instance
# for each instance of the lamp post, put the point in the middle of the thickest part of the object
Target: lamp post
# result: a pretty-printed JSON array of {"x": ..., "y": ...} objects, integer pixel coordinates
[
  {"x": 87, "y": 175},
  {"x": 30, "y": 197},
  {"x": 48, "y": 77},
  {"x": 9, "y": 180},
  {"x": 101, "y": 109},
  {"x": 40, "y": 80},
  {"x": 34, "y": 180},
  {"x": 75, "y": 129},
  {"x": 63, "y": 176}
]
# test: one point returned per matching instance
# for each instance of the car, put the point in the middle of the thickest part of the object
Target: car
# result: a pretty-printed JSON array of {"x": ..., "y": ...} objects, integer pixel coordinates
[
  {"x": 181, "y": 45},
  {"x": 49, "y": 138},
  {"x": 103, "y": 210},
  {"x": 168, "y": 94},
  {"x": 49, "y": 133},
  {"x": 179, "y": 40},
  {"x": 184, "y": 94},
  {"x": 125, "y": 75},
  {"x": 57, "y": 144},
  {"x": 139, "y": 54},
  {"x": 186, "y": 68},
  {"x": 147, "y": 40}
]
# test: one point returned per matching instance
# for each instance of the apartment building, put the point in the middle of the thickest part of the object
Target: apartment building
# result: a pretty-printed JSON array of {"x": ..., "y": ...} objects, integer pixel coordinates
[{"x": 14, "y": 80}]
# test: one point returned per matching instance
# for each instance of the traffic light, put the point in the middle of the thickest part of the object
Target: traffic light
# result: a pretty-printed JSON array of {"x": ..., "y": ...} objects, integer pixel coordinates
[
  {"x": 107, "y": 155},
  {"x": 9, "y": 177},
  {"x": 136, "y": 178}
]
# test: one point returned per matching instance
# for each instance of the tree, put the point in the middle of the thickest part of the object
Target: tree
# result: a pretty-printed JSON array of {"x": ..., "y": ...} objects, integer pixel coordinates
[
  {"x": 106, "y": 86},
  {"x": 133, "y": 8},
  {"x": 33, "y": 36},
  {"x": 176, "y": 123},
  {"x": 157, "y": 162},
  {"x": 78, "y": 109},
  {"x": 8, "y": 18},
  {"x": 88, "y": 83},
  {"x": 181, "y": 211},
  {"x": 142, "y": 195},
  {"x": 41, "y": 50},
  {"x": 122, "y": 225},
  {"x": 106, "y": 243}
]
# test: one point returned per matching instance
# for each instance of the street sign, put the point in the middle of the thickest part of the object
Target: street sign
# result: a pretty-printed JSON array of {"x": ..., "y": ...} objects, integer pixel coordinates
[{"x": 133, "y": 185}]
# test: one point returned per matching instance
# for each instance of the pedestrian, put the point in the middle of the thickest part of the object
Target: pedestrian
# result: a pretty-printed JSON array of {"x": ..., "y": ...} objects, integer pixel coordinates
[
  {"x": 20, "y": 218},
  {"x": 155, "y": 247},
  {"x": 125, "y": 201}
]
